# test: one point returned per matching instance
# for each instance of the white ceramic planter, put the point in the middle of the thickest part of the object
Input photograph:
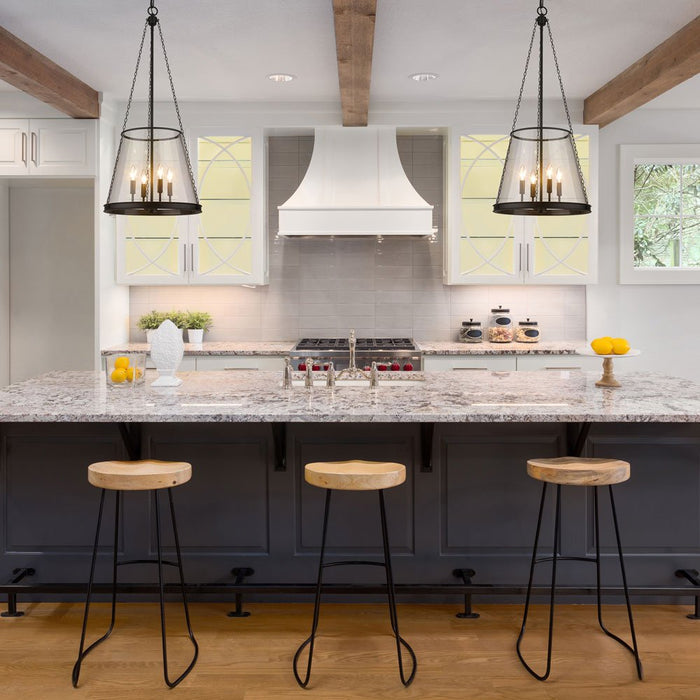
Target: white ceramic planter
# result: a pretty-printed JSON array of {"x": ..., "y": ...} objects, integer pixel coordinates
[
  {"x": 195, "y": 335},
  {"x": 149, "y": 335}
]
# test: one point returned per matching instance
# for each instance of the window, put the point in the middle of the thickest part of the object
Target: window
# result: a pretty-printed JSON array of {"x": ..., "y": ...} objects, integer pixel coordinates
[{"x": 660, "y": 214}]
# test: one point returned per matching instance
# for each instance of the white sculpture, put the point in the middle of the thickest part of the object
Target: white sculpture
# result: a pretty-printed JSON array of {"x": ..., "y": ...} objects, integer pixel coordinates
[{"x": 167, "y": 349}]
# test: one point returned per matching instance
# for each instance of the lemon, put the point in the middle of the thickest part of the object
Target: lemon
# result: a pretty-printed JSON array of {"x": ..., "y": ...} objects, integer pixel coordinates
[
  {"x": 620, "y": 346},
  {"x": 121, "y": 363},
  {"x": 602, "y": 346},
  {"x": 118, "y": 375},
  {"x": 132, "y": 373}
]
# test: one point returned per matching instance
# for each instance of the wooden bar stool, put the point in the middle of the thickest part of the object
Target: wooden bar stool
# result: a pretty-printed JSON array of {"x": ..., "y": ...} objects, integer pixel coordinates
[
  {"x": 577, "y": 471},
  {"x": 356, "y": 476},
  {"x": 142, "y": 475}
]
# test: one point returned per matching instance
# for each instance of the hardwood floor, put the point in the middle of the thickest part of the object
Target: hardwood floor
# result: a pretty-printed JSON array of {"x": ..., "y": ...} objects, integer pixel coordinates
[{"x": 250, "y": 659}]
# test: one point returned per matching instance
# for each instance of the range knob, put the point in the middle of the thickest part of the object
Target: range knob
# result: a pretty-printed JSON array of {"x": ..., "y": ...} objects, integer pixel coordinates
[{"x": 408, "y": 367}]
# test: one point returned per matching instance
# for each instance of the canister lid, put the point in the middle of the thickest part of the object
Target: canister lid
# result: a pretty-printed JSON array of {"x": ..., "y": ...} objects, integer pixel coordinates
[
  {"x": 471, "y": 322},
  {"x": 499, "y": 310},
  {"x": 528, "y": 323}
]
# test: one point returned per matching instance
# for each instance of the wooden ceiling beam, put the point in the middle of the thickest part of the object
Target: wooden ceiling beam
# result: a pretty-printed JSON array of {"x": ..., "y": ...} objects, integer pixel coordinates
[
  {"x": 669, "y": 64},
  {"x": 35, "y": 74},
  {"x": 354, "y": 39}
]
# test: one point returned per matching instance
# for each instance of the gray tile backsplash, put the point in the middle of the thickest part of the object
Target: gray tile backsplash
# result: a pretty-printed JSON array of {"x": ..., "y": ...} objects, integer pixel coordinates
[{"x": 325, "y": 287}]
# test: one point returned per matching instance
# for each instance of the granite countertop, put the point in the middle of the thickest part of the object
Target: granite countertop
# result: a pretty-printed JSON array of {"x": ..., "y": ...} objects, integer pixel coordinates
[
  {"x": 251, "y": 347},
  {"x": 282, "y": 348},
  {"x": 255, "y": 396},
  {"x": 567, "y": 347}
]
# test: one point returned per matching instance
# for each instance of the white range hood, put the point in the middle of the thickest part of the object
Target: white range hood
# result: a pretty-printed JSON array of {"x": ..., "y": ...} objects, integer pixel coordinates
[{"x": 355, "y": 186}]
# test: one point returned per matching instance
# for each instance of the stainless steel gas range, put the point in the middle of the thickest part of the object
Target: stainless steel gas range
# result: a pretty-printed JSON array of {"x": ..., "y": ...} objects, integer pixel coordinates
[{"x": 389, "y": 353}]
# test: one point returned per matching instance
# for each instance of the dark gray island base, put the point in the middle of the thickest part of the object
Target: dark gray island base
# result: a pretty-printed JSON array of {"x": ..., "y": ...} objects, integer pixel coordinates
[{"x": 249, "y": 523}]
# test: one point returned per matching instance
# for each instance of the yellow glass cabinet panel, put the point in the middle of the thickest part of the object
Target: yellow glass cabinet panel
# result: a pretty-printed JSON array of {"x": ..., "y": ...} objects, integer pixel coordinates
[
  {"x": 226, "y": 243},
  {"x": 487, "y": 248}
]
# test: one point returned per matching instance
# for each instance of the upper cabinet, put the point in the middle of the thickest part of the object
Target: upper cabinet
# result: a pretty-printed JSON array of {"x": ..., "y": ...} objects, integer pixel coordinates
[
  {"x": 487, "y": 248},
  {"x": 52, "y": 147},
  {"x": 226, "y": 244}
]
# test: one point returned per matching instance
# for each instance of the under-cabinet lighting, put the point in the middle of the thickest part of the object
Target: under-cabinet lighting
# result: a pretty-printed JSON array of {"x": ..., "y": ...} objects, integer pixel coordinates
[{"x": 423, "y": 77}]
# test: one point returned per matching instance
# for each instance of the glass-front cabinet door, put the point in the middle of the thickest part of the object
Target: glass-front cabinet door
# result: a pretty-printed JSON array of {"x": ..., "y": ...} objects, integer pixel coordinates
[
  {"x": 227, "y": 240},
  {"x": 226, "y": 243},
  {"x": 487, "y": 248},
  {"x": 152, "y": 250}
]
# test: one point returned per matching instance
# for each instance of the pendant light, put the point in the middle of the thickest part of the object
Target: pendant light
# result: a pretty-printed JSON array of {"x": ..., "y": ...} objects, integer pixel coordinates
[
  {"x": 541, "y": 174},
  {"x": 152, "y": 172}
]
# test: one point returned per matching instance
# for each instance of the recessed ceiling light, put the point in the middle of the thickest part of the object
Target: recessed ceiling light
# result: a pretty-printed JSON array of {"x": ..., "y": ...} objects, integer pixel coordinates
[
  {"x": 281, "y": 77},
  {"x": 422, "y": 77}
]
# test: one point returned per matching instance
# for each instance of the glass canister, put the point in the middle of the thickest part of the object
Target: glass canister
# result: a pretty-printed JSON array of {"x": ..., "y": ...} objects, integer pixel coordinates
[
  {"x": 527, "y": 332},
  {"x": 471, "y": 332},
  {"x": 500, "y": 326}
]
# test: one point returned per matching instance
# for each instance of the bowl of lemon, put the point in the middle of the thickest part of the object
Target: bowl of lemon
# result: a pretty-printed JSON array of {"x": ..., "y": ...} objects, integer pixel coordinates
[
  {"x": 608, "y": 348},
  {"x": 126, "y": 370}
]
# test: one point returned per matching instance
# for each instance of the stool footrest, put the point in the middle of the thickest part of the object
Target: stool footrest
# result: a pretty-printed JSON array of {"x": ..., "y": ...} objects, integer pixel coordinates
[
  {"x": 540, "y": 560},
  {"x": 353, "y": 562},
  {"x": 145, "y": 561}
]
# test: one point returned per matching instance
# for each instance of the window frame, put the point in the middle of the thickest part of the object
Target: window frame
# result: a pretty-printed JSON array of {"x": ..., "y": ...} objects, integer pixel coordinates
[{"x": 648, "y": 154}]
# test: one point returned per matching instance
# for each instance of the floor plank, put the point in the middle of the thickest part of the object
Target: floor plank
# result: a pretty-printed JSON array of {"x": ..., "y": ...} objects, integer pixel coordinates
[{"x": 250, "y": 658}]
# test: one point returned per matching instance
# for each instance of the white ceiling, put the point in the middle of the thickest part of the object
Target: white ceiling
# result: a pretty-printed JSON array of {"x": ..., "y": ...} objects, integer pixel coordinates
[{"x": 223, "y": 49}]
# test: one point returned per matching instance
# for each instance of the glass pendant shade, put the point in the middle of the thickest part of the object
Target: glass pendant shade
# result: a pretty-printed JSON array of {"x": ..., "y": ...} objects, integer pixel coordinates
[
  {"x": 541, "y": 174},
  {"x": 152, "y": 172},
  {"x": 159, "y": 185}
]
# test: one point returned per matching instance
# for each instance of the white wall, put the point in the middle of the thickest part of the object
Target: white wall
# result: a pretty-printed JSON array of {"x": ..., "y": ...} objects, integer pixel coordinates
[
  {"x": 661, "y": 320},
  {"x": 52, "y": 300},
  {"x": 4, "y": 284}
]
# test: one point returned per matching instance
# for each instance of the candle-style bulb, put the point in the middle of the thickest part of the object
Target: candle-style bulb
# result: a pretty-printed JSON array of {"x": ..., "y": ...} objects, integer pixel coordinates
[
  {"x": 132, "y": 181},
  {"x": 132, "y": 173},
  {"x": 159, "y": 183},
  {"x": 170, "y": 175},
  {"x": 170, "y": 184},
  {"x": 523, "y": 174},
  {"x": 559, "y": 179},
  {"x": 550, "y": 171},
  {"x": 144, "y": 183},
  {"x": 533, "y": 185},
  {"x": 559, "y": 175}
]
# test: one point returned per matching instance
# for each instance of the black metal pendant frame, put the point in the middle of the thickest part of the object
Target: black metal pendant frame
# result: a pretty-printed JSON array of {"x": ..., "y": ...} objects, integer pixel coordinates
[
  {"x": 391, "y": 595},
  {"x": 632, "y": 648},
  {"x": 152, "y": 205},
  {"x": 541, "y": 205}
]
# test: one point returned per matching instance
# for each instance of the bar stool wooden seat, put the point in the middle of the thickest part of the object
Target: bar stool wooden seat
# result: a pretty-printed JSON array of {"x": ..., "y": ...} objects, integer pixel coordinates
[
  {"x": 577, "y": 471},
  {"x": 139, "y": 475},
  {"x": 356, "y": 475}
]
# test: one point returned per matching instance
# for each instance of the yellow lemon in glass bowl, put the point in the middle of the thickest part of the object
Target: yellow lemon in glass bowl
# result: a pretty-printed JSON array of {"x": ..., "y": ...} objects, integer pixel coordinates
[
  {"x": 121, "y": 363},
  {"x": 620, "y": 346},
  {"x": 603, "y": 346},
  {"x": 118, "y": 375}
]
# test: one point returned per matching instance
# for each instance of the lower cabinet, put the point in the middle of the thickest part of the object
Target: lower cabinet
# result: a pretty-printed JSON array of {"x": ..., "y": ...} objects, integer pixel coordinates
[
  {"x": 219, "y": 362},
  {"x": 445, "y": 363},
  {"x": 558, "y": 362},
  {"x": 471, "y": 506}
]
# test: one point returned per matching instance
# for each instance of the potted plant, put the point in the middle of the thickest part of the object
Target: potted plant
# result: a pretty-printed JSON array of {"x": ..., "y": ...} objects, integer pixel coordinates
[
  {"x": 197, "y": 322},
  {"x": 179, "y": 318},
  {"x": 150, "y": 322}
]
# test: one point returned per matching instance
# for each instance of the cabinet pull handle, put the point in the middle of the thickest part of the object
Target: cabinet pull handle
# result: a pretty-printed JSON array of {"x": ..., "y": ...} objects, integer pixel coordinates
[
  {"x": 34, "y": 148},
  {"x": 520, "y": 257},
  {"x": 462, "y": 369},
  {"x": 184, "y": 257},
  {"x": 24, "y": 147},
  {"x": 527, "y": 258},
  {"x": 563, "y": 368},
  {"x": 192, "y": 257}
]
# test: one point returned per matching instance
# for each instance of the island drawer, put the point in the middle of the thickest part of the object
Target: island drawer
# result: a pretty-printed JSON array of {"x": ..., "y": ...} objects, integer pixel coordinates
[
  {"x": 574, "y": 362},
  {"x": 495, "y": 363},
  {"x": 219, "y": 362}
]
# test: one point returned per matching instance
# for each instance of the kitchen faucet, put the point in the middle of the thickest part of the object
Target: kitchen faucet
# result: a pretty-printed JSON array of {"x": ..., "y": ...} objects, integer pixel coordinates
[{"x": 352, "y": 371}]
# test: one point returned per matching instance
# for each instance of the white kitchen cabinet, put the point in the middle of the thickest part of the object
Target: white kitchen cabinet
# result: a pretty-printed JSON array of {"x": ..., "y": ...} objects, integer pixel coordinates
[
  {"x": 558, "y": 362},
  {"x": 188, "y": 364},
  {"x": 487, "y": 248},
  {"x": 51, "y": 147},
  {"x": 226, "y": 244},
  {"x": 445, "y": 363},
  {"x": 232, "y": 362}
]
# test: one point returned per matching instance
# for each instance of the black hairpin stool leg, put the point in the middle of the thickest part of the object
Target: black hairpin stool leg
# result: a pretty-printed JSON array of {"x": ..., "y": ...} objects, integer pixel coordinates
[
  {"x": 168, "y": 682},
  {"x": 392, "y": 600},
  {"x": 309, "y": 641},
  {"x": 633, "y": 648},
  {"x": 82, "y": 653},
  {"x": 557, "y": 525}
]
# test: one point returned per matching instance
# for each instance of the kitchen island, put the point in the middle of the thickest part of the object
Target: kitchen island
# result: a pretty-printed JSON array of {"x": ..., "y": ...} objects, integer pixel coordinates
[{"x": 464, "y": 436}]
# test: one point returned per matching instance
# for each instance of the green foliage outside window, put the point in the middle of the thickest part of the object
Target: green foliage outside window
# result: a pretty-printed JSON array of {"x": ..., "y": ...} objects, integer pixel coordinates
[{"x": 667, "y": 215}]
